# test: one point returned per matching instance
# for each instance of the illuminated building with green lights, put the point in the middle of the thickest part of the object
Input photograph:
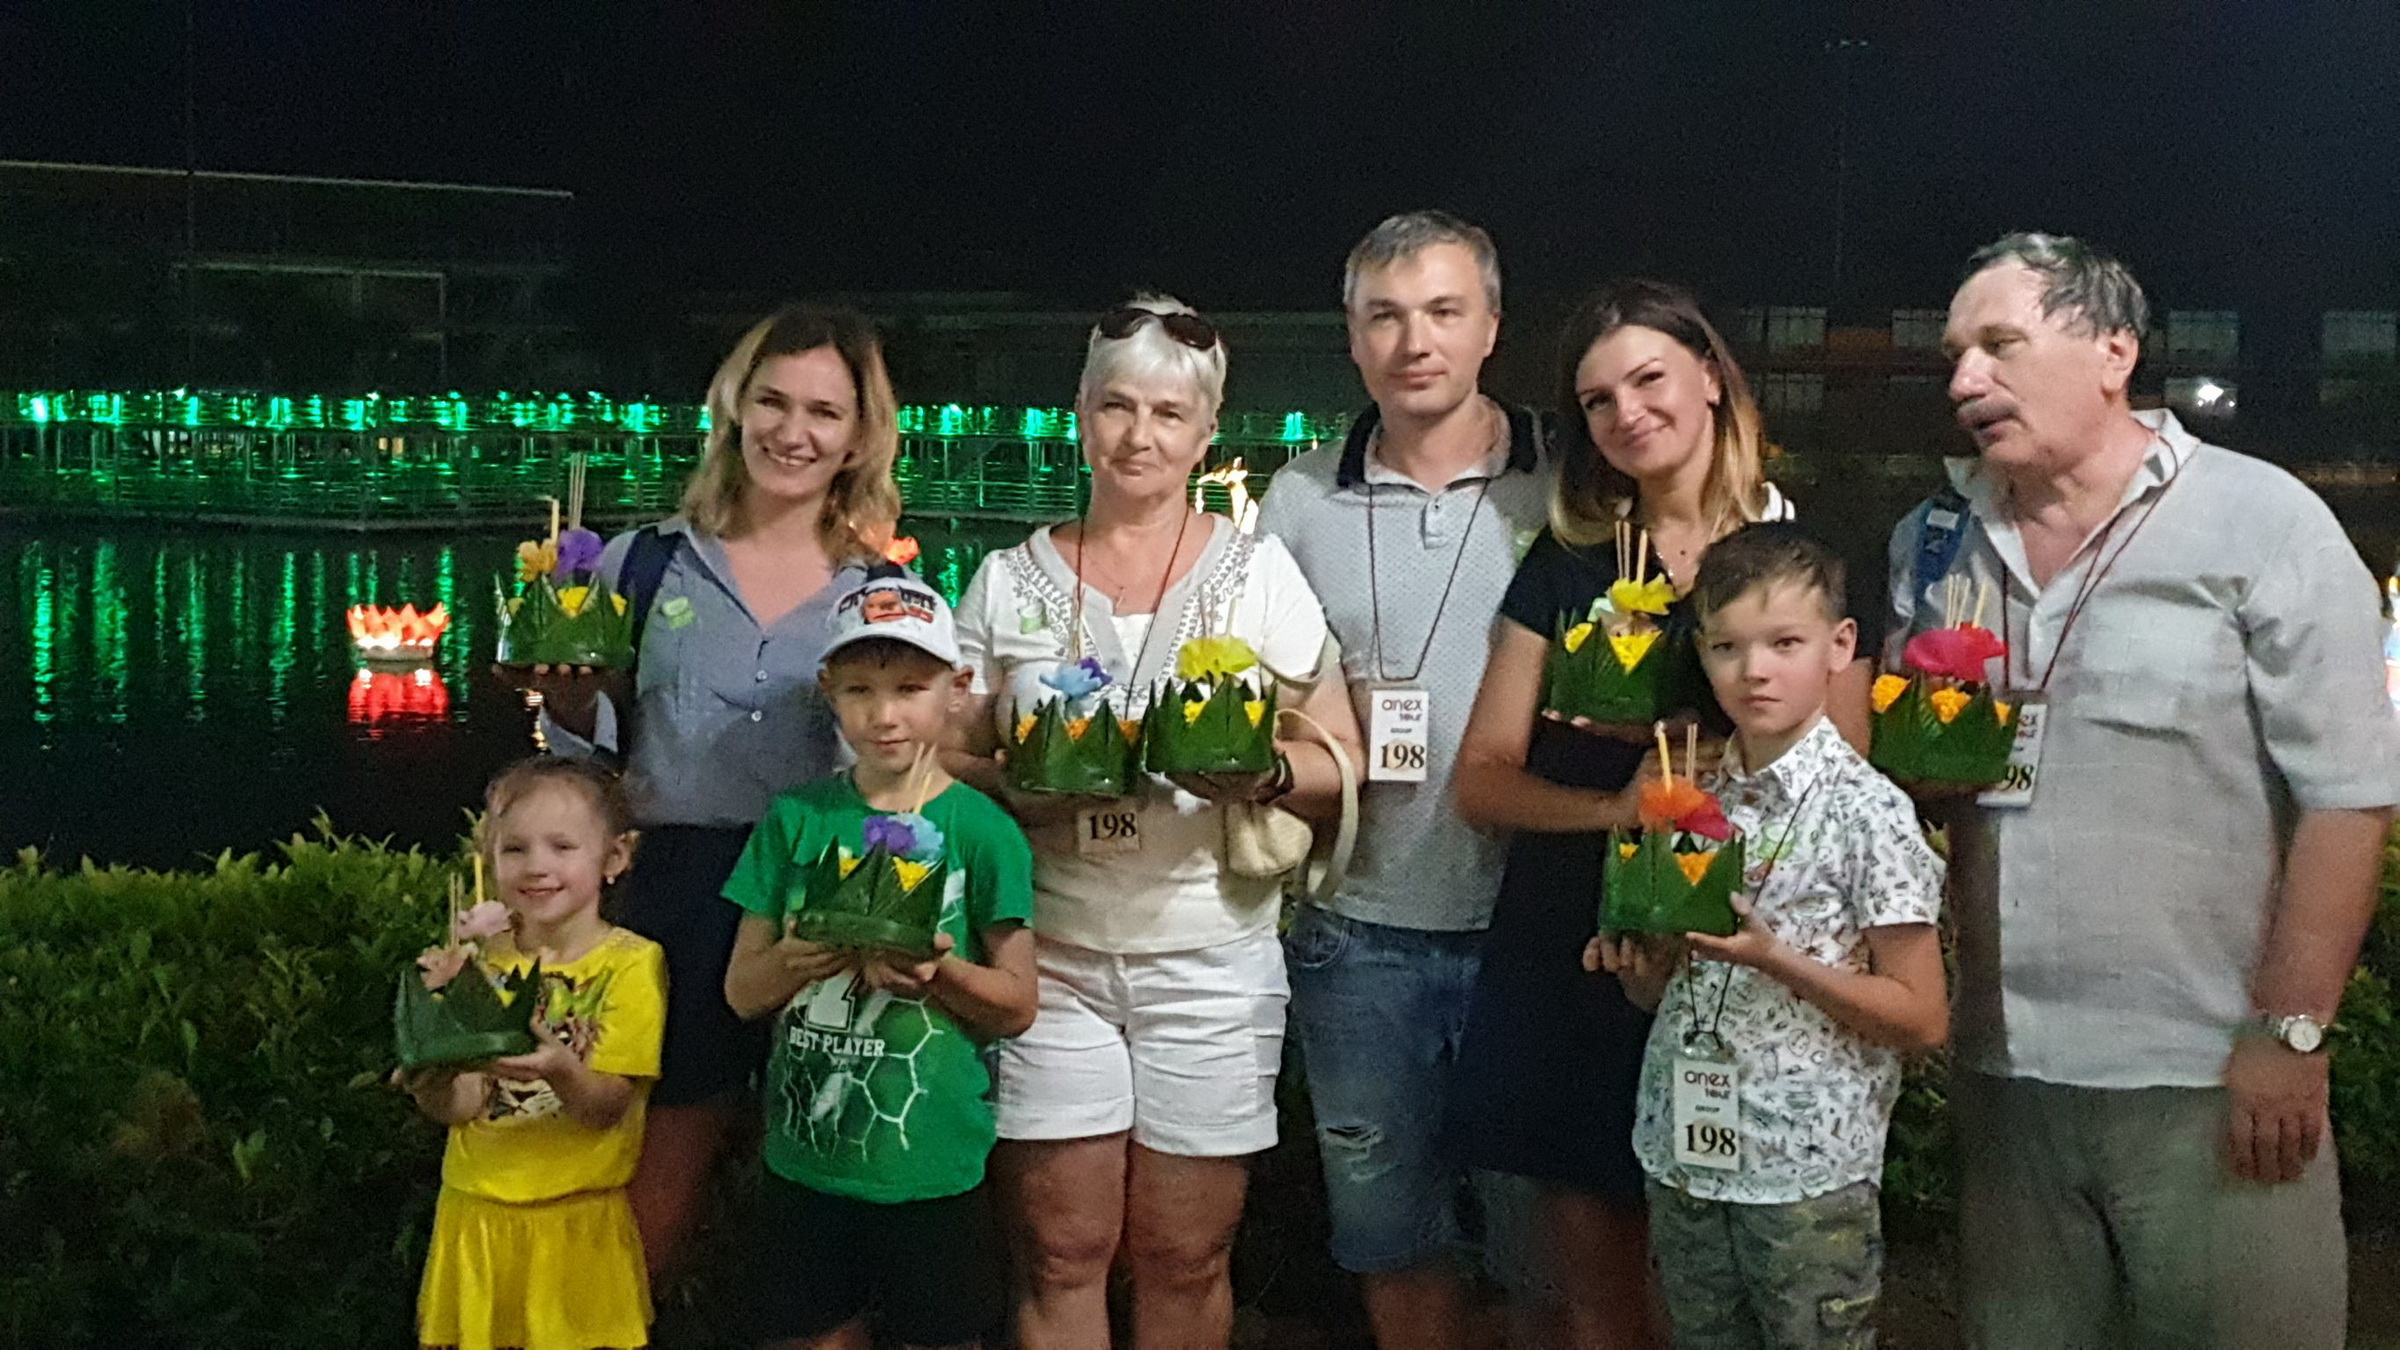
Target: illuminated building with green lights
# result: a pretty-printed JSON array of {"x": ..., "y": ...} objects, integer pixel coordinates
[{"x": 376, "y": 460}]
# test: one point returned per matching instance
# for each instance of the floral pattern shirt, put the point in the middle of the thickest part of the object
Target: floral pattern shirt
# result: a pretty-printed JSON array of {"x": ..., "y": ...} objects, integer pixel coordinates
[{"x": 1832, "y": 850}]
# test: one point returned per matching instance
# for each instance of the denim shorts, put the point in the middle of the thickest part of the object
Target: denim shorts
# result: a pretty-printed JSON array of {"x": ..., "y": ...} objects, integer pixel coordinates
[{"x": 1378, "y": 1012}]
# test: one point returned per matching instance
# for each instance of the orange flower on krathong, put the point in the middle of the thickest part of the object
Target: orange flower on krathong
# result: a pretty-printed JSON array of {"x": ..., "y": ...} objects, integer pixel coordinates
[
  {"x": 1888, "y": 689},
  {"x": 1667, "y": 800},
  {"x": 1695, "y": 865},
  {"x": 1948, "y": 703}
]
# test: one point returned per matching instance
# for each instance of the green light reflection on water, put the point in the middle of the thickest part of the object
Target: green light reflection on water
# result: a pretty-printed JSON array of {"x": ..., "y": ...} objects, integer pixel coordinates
[
  {"x": 193, "y": 633},
  {"x": 111, "y": 666},
  {"x": 281, "y": 658},
  {"x": 34, "y": 581}
]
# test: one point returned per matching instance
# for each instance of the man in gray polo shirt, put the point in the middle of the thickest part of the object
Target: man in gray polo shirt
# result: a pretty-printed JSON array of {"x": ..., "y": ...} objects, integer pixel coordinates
[
  {"x": 1409, "y": 533},
  {"x": 2152, "y": 944}
]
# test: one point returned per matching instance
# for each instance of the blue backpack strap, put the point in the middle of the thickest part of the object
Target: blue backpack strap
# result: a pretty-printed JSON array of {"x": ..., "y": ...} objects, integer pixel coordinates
[{"x": 645, "y": 567}]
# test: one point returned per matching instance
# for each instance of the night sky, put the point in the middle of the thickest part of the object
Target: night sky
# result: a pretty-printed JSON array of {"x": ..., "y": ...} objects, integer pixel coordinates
[{"x": 2232, "y": 151}]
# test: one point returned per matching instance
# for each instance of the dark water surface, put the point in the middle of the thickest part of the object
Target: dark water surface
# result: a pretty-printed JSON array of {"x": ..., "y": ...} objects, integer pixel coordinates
[{"x": 167, "y": 694}]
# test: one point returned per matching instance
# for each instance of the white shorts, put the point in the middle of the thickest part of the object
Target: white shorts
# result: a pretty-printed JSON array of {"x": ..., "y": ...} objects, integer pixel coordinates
[{"x": 1181, "y": 1048}]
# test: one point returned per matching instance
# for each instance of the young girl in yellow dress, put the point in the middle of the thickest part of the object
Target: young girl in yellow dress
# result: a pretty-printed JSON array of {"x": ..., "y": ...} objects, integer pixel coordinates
[{"x": 533, "y": 1245}]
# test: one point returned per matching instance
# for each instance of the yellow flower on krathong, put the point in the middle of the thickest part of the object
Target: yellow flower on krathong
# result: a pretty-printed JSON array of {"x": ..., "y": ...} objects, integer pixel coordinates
[
  {"x": 1947, "y": 703},
  {"x": 847, "y": 864},
  {"x": 574, "y": 599},
  {"x": 1632, "y": 647},
  {"x": 1257, "y": 708},
  {"x": 1576, "y": 637},
  {"x": 620, "y": 601},
  {"x": 1888, "y": 689},
  {"x": 910, "y": 873},
  {"x": 1191, "y": 712},
  {"x": 1642, "y": 597},
  {"x": 1213, "y": 658},
  {"x": 2005, "y": 711},
  {"x": 536, "y": 558},
  {"x": 1627, "y": 849},
  {"x": 1076, "y": 726},
  {"x": 1025, "y": 726},
  {"x": 1132, "y": 727},
  {"x": 1695, "y": 865}
]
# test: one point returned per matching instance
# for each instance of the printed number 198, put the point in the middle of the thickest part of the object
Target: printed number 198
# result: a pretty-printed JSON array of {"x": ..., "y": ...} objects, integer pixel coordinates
[
  {"x": 1107, "y": 826},
  {"x": 1711, "y": 1141},
  {"x": 1404, "y": 755}
]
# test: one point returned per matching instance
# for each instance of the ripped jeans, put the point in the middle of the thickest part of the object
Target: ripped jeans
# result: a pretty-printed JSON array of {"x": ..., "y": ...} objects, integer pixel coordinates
[{"x": 1377, "y": 1012}]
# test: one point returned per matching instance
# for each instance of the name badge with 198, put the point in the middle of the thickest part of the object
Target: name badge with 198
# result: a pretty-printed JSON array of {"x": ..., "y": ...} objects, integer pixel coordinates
[
  {"x": 2024, "y": 756},
  {"x": 1110, "y": 829},
  {"x": 1399, "y": 727},
  {"x": 1707, "y": 1101}
]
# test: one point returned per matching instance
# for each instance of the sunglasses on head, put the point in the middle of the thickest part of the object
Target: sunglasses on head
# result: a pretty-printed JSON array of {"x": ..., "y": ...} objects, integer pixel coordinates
[{"x": 1189, "y": 329}]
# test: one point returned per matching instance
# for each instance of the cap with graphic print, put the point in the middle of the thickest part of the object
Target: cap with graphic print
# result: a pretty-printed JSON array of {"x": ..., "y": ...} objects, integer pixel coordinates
[{"x": 892, "y": 602}]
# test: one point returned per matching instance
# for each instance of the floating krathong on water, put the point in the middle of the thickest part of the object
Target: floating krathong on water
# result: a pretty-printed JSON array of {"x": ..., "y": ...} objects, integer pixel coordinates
[{"x": 402, "y": 637}]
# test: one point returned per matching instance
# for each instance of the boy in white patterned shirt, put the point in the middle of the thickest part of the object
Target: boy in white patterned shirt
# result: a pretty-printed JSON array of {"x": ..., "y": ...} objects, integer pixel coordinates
[{"x": 1769, "y": 1079}]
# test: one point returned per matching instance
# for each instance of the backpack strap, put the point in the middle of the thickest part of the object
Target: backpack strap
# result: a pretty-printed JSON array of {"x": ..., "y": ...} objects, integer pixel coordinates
[
  {"x": 1941, "y": 533},
  {"x": 638, "y": 580}
]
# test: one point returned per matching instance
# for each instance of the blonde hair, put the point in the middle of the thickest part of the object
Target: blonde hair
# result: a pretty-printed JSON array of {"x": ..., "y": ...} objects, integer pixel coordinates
[
  {"x": 863, "y": 504},
  {"x": 1592, "y": 495},
  {"x": 1147, "y": 353}
]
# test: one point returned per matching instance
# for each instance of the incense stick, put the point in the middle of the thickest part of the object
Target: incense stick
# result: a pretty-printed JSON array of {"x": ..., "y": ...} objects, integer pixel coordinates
[
  {"x": 1691, "y": 751},
  {"x": 553, "y": 518},
  {"x": 1666, "y": 758}
]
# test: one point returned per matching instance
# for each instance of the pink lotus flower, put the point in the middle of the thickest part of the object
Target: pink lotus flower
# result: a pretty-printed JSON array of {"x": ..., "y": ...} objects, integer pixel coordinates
[
  {"x": 1958, "y": 653},
  {"x": 487, "y": 920},
  {"x": 441, "y": 965}
]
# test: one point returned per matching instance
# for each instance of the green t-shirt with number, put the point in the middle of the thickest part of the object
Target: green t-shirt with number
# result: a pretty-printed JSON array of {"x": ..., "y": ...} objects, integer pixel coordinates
[{"x": 870, "y": 1095}]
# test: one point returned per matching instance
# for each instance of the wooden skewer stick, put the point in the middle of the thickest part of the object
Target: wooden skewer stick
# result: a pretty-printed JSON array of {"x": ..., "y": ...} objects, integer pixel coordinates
[
  {"x": 1978, "y": 619},
  {"x": 553, "y": 518},
  {"x": 1641, "y": 559}
]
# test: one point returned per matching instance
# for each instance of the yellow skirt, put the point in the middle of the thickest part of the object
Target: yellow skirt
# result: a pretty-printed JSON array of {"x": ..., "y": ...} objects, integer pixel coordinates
[{"x": 561, "y": 1274}]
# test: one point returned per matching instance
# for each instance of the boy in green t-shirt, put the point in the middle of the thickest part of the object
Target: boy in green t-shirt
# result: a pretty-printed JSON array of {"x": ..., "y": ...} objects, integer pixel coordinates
[{"x": 878, "y": 1118}]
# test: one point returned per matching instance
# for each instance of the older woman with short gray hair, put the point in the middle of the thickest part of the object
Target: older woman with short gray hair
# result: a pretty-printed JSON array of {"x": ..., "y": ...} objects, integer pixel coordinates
[{"x": 1126, "y": 1112}]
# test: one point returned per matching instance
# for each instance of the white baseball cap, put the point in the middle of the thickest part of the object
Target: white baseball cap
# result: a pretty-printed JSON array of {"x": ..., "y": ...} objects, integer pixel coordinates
[{"x": 891, "y": 602}]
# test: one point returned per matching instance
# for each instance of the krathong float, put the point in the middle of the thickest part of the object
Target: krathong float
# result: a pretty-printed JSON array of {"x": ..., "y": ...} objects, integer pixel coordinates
[
  {"x": 1942, "y": 722},
  {"x": 383, "y": 636},
  {"x": 564, "y": 612},
  {"x": 451, "y": 1010},
  {"x": 1215, "y": 714},
  {"x": 1617, "y": 662},
  {"x": 887, "y": 898},
  {"x": 1074, "y": 742},
  {"x": 1679, "y": 872}
]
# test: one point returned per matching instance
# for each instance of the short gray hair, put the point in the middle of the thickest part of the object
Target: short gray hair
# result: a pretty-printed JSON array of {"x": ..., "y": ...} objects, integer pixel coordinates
[
  {"x": 2097, "y": 293},
  {"x": 1148, "y": 354},
  {"x": 1412, "y": 232}
]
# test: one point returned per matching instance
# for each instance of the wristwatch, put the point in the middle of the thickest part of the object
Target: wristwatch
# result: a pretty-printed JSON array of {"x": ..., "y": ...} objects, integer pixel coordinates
[{"x": 2297, "y": 1032}]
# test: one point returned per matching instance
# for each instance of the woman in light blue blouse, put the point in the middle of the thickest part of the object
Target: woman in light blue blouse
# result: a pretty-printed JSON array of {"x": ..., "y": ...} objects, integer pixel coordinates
[{"x": 795, "y": 484}]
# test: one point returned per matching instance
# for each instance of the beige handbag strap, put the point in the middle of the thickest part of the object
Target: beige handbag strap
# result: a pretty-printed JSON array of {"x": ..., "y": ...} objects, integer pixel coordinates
[{"x": 1345, "y": 835}]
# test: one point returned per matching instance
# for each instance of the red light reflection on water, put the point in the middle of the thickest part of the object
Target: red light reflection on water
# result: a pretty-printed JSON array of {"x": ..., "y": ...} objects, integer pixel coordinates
[{"x": 382, "y": 696}]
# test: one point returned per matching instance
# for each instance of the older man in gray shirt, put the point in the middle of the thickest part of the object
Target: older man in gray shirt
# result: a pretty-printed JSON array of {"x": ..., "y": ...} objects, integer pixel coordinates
[
  {"x": 1409, "y": 532},
  {"x": 2153, "y": 943}
]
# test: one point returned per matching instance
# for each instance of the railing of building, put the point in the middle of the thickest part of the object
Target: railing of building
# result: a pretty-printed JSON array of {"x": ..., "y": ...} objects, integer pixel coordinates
[{"x": 378, "y": 461}]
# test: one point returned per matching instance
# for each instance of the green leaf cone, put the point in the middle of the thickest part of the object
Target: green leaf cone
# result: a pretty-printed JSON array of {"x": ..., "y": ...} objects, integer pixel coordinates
[
  {"x": 465, "y": 1021},
  {"x": 1648, "y": 893},
  {"x": 1221, "y": 739},
  {"x": 1103, "y": 762},
  {"x": 1591, "y": 683},
  {"x": 871, "y": 908},
  {"x": 1913, "y": 744},
  {"x": 541, "y": 632}
]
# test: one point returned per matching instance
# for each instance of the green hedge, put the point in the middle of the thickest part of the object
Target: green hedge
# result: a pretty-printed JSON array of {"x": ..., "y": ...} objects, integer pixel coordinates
[{"x": 196, "y": 1148}]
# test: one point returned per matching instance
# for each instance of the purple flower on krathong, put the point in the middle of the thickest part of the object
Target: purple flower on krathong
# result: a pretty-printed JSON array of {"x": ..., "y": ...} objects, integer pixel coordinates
[
  {"x": 892, "y": 834},
  {"x": 578, "y": 551},
  {"x": 1080, "y": 680}
]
